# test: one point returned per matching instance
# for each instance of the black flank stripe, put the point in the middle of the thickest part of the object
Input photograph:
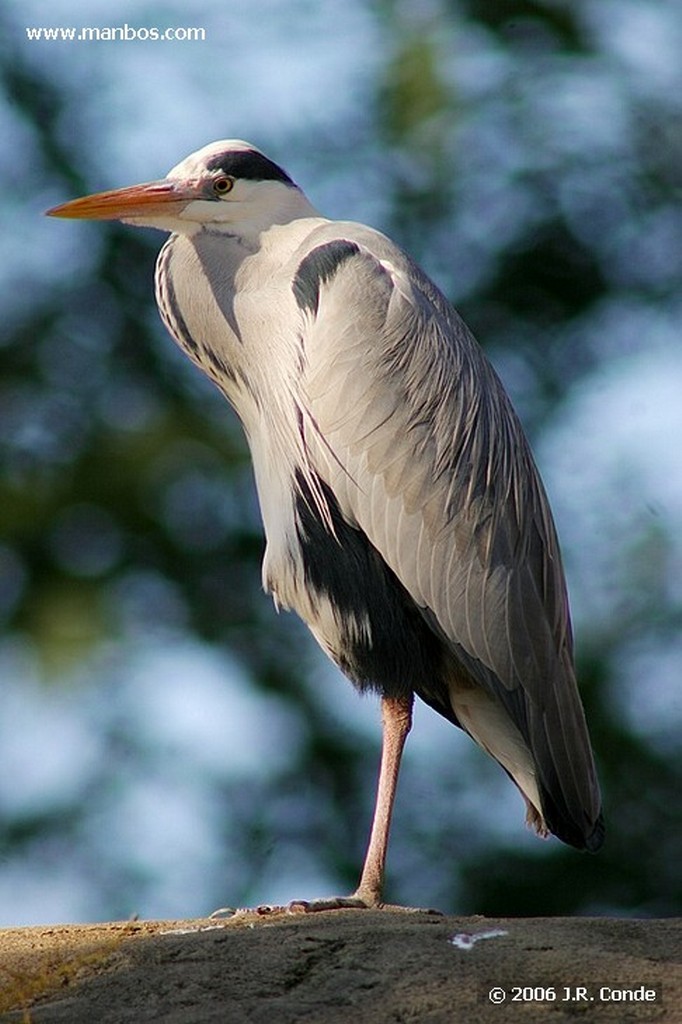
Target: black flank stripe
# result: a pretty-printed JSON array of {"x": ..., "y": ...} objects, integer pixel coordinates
[{"x": 402, "y": 653}]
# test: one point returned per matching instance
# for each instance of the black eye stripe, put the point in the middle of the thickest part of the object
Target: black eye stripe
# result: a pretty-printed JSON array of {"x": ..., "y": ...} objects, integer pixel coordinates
[{"x": 248, "y": 164}]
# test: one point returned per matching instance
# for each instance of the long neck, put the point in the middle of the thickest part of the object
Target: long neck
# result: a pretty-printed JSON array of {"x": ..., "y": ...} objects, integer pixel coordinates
[
  {"x": 279, "y": 207},
  {"x": 199, "y": 278}
]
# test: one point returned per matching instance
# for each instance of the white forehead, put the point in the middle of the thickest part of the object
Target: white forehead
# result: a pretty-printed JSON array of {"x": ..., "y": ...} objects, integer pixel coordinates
[{"x": 196, "y": 162}]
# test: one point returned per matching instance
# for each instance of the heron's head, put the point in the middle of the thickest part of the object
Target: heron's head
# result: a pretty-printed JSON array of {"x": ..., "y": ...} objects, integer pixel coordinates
[{"x": 228, "y": 185}]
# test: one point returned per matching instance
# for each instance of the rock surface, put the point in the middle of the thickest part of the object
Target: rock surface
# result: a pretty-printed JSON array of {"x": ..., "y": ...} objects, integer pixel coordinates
[{"x": 344, "y": 966}]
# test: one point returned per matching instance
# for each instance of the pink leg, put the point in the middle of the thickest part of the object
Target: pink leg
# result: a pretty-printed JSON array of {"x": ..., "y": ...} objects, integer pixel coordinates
[{"x": 396, "y": 715}]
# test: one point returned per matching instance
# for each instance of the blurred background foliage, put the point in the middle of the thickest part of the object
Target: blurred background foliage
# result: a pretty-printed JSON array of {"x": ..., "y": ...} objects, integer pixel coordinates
[{"x": 167, "y": 742}]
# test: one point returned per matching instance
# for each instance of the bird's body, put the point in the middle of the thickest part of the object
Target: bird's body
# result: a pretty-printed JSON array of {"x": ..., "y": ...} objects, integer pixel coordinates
[{"x": 405, "y": 519}]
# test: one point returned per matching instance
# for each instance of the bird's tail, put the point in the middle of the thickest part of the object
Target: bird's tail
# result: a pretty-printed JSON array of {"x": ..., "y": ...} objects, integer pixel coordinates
[{"x": 558, "y": 782}]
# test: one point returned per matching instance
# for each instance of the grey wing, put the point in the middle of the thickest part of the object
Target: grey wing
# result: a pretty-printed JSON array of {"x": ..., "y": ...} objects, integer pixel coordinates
[{"x": 411, "y": 429}]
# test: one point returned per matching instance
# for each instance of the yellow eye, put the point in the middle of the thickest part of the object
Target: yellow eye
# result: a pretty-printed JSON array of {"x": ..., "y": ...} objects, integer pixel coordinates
[{"x": 223, "y": 185}]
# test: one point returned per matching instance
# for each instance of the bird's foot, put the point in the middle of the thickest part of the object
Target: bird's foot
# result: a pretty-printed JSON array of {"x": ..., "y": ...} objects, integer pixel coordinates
[
  {"x": 327, "y": 903},
  {"x": 354, "y": 902},
  {"x": 295, "y": 907}
]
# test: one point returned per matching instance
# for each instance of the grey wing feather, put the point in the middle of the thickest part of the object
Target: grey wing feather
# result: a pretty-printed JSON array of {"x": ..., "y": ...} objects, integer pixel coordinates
[{"x": 430, "y": 461}]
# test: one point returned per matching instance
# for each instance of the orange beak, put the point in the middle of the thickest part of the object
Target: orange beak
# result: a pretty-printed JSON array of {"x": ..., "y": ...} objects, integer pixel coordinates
[{"x": 153, "y": 199}]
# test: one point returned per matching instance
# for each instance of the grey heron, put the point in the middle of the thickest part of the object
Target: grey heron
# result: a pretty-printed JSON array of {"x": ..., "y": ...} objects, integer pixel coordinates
[{"x": 404, "y": 516}]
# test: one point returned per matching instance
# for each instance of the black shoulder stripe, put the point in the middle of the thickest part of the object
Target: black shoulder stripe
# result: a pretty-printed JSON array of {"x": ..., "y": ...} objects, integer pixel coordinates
[{"x": 318, "y": 267}]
